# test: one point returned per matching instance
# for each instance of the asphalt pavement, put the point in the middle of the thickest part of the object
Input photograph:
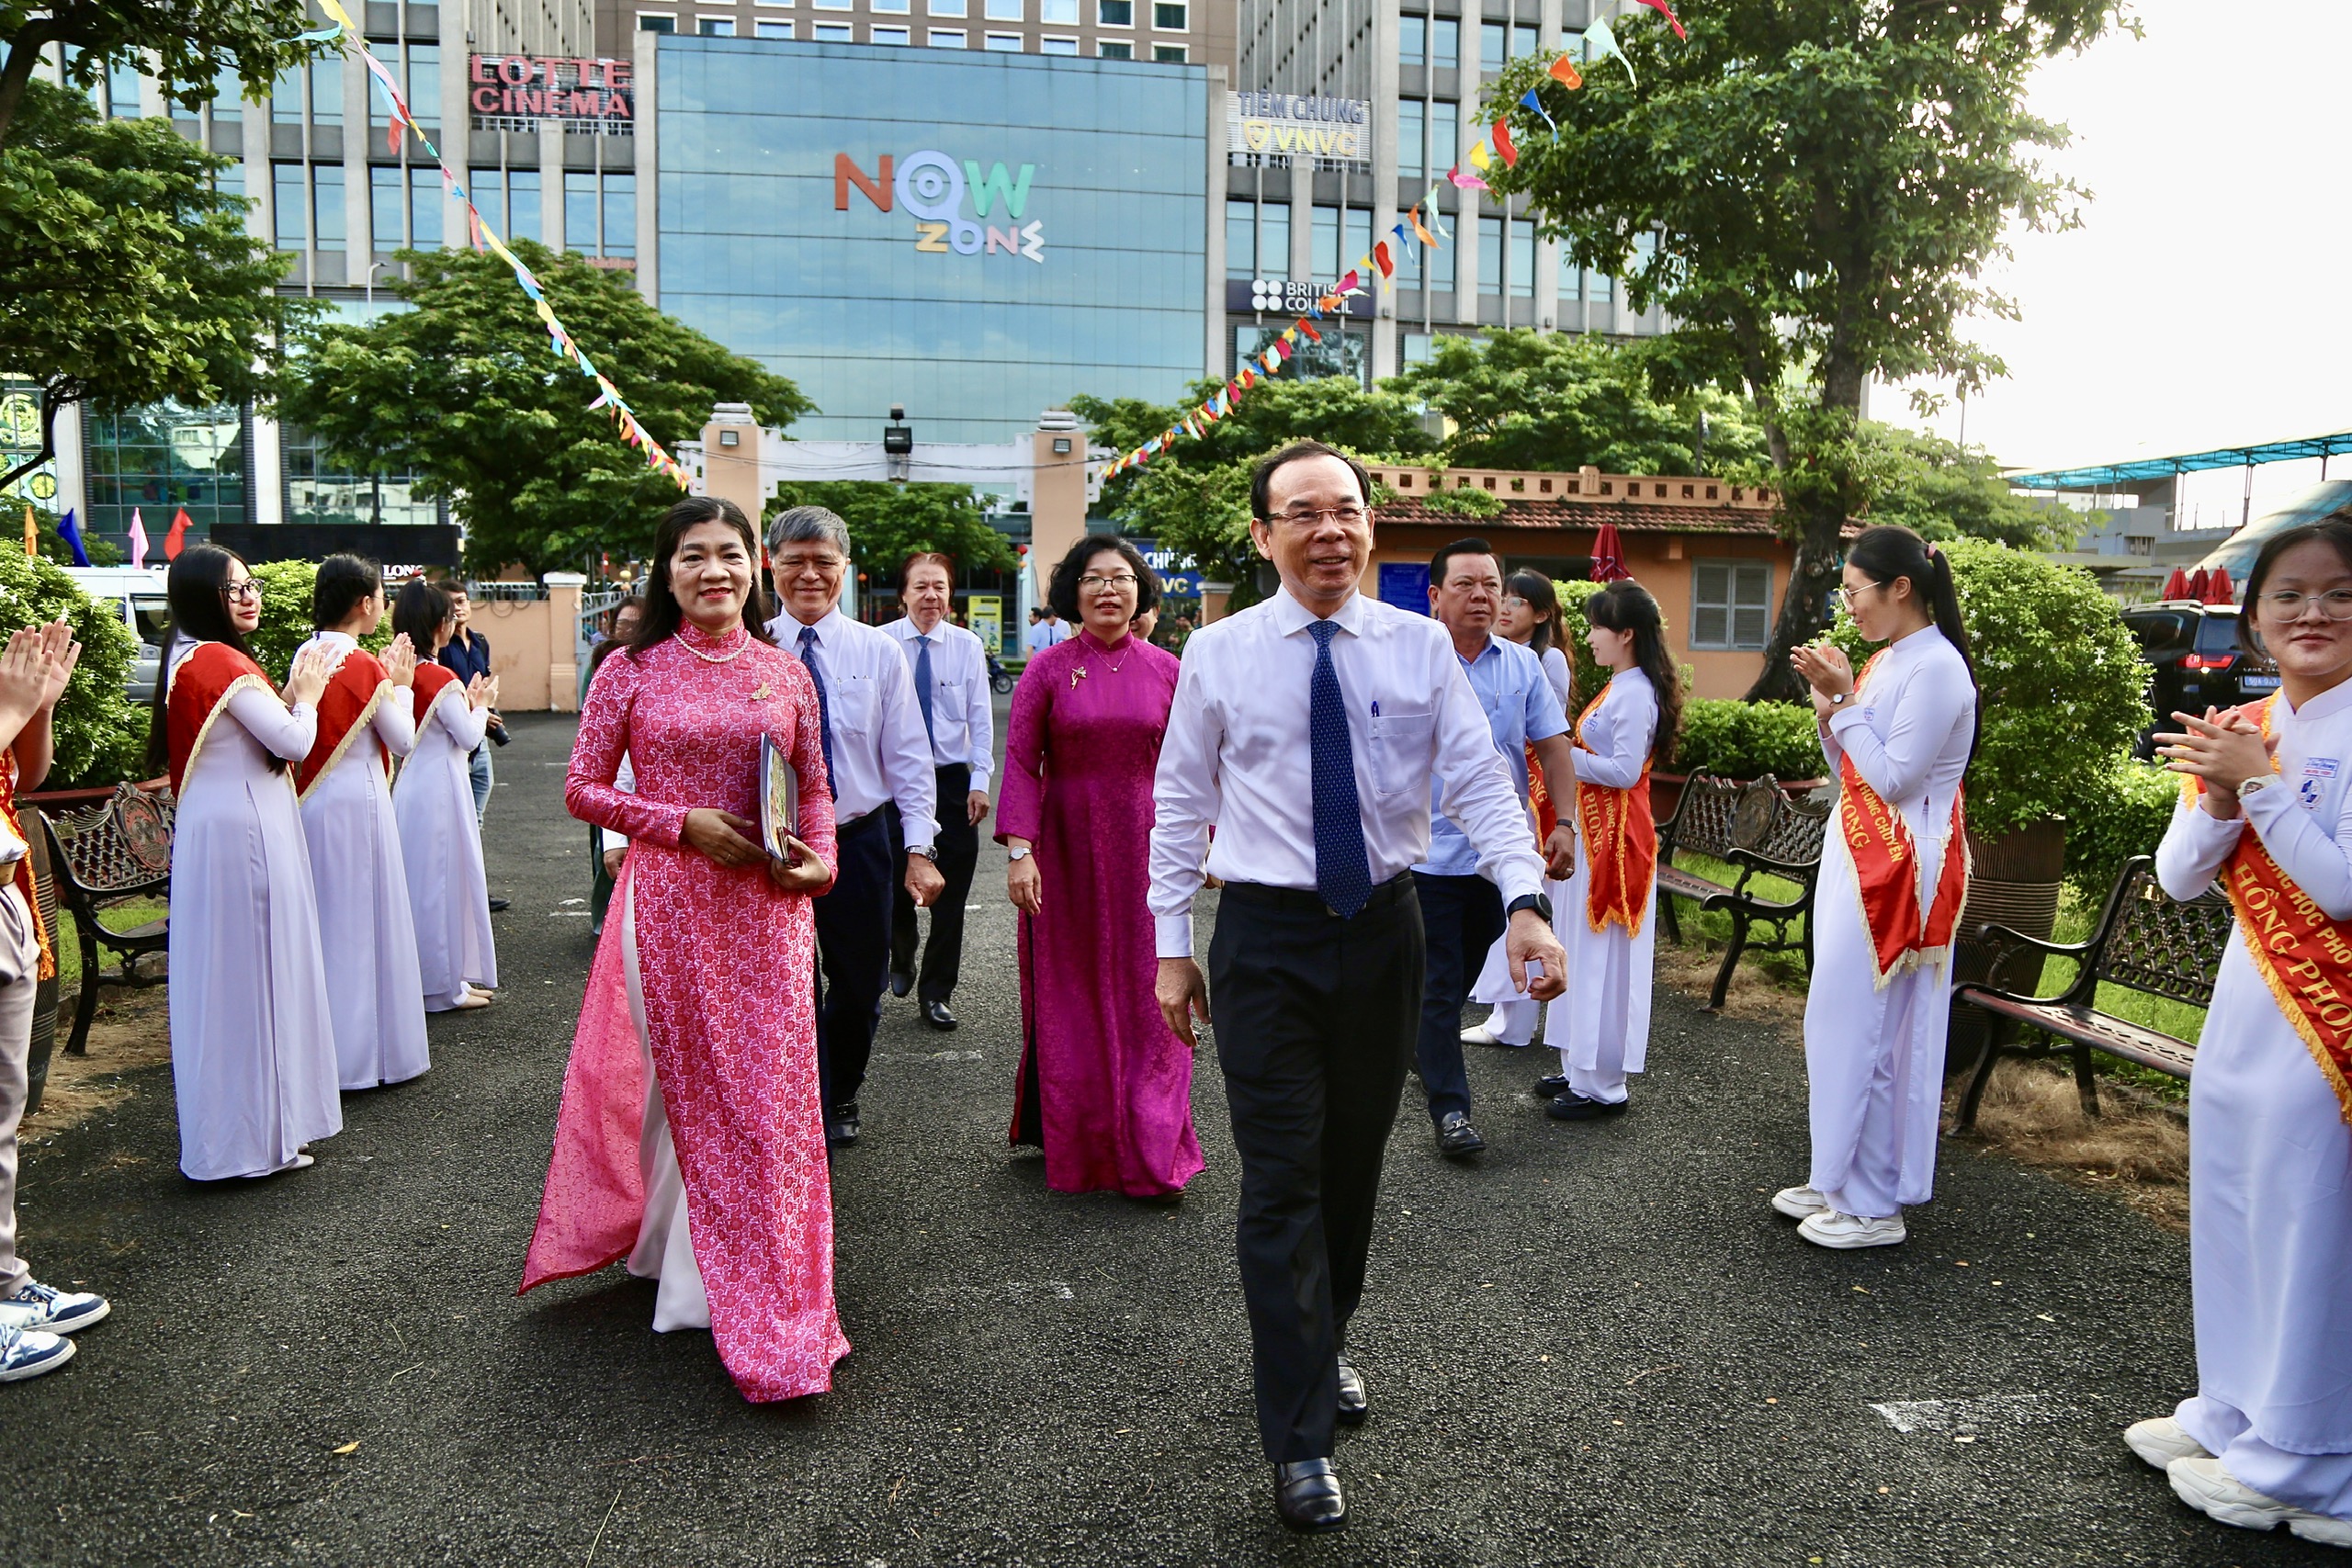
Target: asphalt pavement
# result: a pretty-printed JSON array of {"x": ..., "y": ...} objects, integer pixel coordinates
[{"x": 1596, "y": 1344}]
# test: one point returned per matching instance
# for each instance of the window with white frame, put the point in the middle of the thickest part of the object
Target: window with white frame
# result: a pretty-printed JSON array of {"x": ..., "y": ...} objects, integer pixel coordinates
[
  {"x": 889, "y": 7},
  {"x": 1731, "y": 604},
  {"x": 1006, "y": 10},
  {"x": 947, "y": 38},
  {"x": 774, "y": 29},
  {"x": 1116, "y": 50},
  {"x": 1169, "y": 17},
  {"x": 1115, "y": 13},
  {"x": 832, "y": 32},
  {"x": 716, "y": 27},
  {"x": 648, "y": 22},
  {"x": 1056, "y": 46},
  {"x": 886, "y": 35},
  {"x": 1004, "y": 43},
  {"x": 1170, "y": 53},
  {"x": 1058, "y": 13}
]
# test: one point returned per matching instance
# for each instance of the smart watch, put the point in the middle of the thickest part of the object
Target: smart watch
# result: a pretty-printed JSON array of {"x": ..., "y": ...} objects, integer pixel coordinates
[{"x": 1536, "y": 901}]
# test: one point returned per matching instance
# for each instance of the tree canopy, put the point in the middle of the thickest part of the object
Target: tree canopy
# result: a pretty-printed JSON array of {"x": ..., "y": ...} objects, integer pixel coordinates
[
  {"x": 1824, "y": 183},
  {"x": 189, "y": 45},
  {"x": 125, "y": 274},
  {"x": 887, "y": 523},
  {"x": 462, "y": 392}
]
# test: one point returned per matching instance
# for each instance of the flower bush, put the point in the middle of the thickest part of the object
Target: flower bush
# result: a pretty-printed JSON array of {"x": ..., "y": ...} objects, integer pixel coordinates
[
  {"x": 100, "y": 732},
  {"x": 2124, "y": 814},
  {"x": 2058, "y": 685}
]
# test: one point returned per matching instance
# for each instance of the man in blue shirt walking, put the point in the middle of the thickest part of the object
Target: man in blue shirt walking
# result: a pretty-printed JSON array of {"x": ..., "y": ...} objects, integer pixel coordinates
[{"x": 1461, "y": 911}]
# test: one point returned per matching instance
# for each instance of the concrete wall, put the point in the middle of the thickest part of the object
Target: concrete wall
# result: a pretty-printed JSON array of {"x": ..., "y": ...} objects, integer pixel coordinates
[{"x": 532, "y": 651}]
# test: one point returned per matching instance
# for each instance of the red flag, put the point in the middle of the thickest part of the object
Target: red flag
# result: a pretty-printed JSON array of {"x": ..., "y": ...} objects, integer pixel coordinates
[
  {"x": 1379, "y": 259},
  {"x": 1565, "y": 69},
  {"x": 1663, "y": 9},
  {"x": 1503, "y": 146},
  {"x": 1308, "y": 328},
  {"x": 176, "y": 540}
]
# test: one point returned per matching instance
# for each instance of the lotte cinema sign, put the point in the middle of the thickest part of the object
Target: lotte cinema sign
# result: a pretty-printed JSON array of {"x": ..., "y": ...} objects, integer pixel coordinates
[{"x": 516, "y": 92}]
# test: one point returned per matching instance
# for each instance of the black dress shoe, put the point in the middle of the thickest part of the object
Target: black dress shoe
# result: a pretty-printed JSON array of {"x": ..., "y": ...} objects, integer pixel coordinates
[
  {"x": 840, "y": 1125},
  {"x": 1307, "y": 1496},
  {"x": 497, "y": 904},
  {"x": 1355, "y": 1405},
  {"x": 1574, "y": 1107},
  {"x": 900, "y": 983},
  {"x": 936, "y": 1015},
  {"x": 1553, "y": 1087},
  {"x": 1455, "y": 1136}
]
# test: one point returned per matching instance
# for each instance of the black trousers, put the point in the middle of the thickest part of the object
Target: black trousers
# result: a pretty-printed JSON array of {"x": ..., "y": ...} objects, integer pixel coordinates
[
  {"x": 959, "y": 855},
  {"x": 1314, "y": 1027},
  {"x": 1461, "y": 916},
  {"x": 853, "y": 956}
]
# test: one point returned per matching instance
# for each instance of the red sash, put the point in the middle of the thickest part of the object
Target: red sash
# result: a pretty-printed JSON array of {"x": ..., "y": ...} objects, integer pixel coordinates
[
  {"x": 431, "y": 678},
  {"x": 212, "y": 675},
  {"x": 344, "y": 712},
  {"x": 1619, "y": 844},
  {"x": 1886, "y": 872},
  {"x": 2301, "y": 954},
  {"x": 21, "y": 873},
  {"x": 1539, "y": 795}
]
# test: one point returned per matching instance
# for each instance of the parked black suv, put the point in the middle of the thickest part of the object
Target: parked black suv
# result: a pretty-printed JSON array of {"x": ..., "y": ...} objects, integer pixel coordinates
[{"x": 2194, "y": 660}]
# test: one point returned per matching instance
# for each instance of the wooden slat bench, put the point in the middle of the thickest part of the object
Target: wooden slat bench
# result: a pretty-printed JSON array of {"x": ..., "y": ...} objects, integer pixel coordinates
[
  {"x": 104, "y": 856},
  {"x": 1758, "y": 828},
  {"x": 2144, "y": 943}
]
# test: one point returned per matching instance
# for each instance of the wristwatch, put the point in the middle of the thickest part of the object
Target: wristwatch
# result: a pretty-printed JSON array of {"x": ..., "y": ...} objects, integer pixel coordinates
[
  {"x": 1016, "y": 852},
  {"x": 1536, "y": 901},
  {"x": 929, "y": 854},
  {"x": 1838, "y": 699},
  {"x": 2259, "y": 781}
]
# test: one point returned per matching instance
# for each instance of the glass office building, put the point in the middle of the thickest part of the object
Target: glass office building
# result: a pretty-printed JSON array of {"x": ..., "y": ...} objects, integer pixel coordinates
[{"x": 975, "y": 236}]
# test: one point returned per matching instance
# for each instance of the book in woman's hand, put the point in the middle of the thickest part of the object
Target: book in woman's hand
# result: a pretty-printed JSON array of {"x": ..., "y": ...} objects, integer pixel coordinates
[{"x": 779, "y": 801}]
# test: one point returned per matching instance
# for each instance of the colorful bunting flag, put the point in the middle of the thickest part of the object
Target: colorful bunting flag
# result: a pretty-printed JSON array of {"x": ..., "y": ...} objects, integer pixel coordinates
[
  {"x": 1600, "y": 42},
  {"x": 137, "y": 539},
  {"x": 1379, "y": 259},
  {"x": 1482, "y": 159},
  {"x": 72, "y": 537},
  {"x": 176, "y": 540},
  {"x": 1414, "y": 217},
  {"x": 32, "y": 533},
  {"x": 1565, "y": 69},
  {"x": 1534, "y": 100},
  {"x": 1503, "y": 145},
  {"x": 1468, "y": 182},
  {"x": 1663, "y": 9}
]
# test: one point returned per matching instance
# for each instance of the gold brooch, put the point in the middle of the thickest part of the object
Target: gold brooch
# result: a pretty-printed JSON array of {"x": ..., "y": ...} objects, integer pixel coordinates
[
  {"x": 1076, "y": 670},
  {"x": 765, "y": 692}
]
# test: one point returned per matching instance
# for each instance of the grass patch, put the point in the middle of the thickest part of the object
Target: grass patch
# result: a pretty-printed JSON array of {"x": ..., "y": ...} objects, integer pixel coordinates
[{"x": 121, "y": 917}]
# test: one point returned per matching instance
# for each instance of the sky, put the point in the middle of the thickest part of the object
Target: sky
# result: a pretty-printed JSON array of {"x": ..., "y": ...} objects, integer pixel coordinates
[{"x": 2200, "y": 305}]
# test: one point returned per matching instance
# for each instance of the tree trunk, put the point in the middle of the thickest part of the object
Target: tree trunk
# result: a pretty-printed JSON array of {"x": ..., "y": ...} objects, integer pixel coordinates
[
  {"x": 24, "y": 58},
  {"x": 1821, "y": 524}
]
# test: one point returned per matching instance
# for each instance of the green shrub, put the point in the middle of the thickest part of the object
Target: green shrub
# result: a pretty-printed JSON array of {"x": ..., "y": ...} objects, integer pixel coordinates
[
  {"x": 2124, "y": 814},
  {"x": 93, "y": 716},
  {"x": 1585, "y": 673},
  {"x": 286, "y": 588},
  {"x": 1464, "y": 503},
  {"x": 1745, "y": 741},
  {"x": 2059, "y": 683}
]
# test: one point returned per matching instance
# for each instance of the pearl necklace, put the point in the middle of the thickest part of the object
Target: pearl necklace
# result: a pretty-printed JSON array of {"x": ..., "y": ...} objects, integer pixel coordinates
[
  {"x": 713, "y": 658},
  {"x": 1078, "y": 671}
]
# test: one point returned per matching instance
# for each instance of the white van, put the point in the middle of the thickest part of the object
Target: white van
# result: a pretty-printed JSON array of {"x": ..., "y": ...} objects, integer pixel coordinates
[{"x": 137, "y": 594}]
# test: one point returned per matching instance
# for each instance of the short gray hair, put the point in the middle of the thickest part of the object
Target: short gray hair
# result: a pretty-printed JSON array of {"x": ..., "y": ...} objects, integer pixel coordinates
[{"x": 800, "y": 525}]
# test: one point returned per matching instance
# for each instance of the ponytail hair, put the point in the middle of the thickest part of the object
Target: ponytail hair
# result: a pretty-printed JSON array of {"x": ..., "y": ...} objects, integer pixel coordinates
[
  {"x": 1536, "y": 588},
  {"x": 1887, "y": 552},
  {"x": 1626, "y": 606}
]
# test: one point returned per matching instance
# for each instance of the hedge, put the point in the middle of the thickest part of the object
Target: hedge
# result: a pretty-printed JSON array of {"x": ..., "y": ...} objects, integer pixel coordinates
[
  {"x": 2125, "y": 814},
  {"x": 1745, "y": 741}
]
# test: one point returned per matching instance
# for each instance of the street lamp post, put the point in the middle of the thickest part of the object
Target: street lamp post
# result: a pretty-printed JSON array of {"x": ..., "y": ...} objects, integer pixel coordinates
[{"x": 371, "y": 285}]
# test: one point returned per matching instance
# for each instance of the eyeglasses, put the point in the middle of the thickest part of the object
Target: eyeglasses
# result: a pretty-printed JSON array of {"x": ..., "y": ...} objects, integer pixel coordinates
[
  {"x": 2289, "y": 605},
  {"x": 1307, "y": 516},
  {"x": 1095, "y": 582},
  {"x": 788, "y": 566},
  {"x": 1513, "y": 602},
  {"x": 249, "y": 589},
  {"x": 1847, "y": 596}
]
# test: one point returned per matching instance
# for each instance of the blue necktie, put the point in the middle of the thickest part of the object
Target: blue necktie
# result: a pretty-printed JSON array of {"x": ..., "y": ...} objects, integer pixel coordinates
[
  {"x": 922, "y": 690},
  {"x": 1343, "y": 871},
  {"x": 824, "y": 705}
]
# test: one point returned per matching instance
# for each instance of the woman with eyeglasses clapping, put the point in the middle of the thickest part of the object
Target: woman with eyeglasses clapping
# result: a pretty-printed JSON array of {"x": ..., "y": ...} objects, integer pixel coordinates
[{"x": 252, "y": 1036}]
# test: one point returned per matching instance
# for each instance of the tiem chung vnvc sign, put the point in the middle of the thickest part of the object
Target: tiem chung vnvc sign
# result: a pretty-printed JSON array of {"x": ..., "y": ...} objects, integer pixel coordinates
[
  {"x": 933, "y": 190},
  {"x": 1275, "y": 130},
  {"x": 516, "y": 92}
]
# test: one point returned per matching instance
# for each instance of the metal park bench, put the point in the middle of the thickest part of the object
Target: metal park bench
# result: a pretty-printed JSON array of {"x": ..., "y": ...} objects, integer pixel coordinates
[
  {"x": 2144, "y": 943},
  {"x": 104, "y": 856},
  {"x": 1756, "y": 827}
]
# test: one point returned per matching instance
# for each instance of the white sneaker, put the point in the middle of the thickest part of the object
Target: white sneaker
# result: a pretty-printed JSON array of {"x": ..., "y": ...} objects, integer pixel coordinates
[
  {"x": 1800, "y": 1202},
  {"x": 1480, "y": 1034},
  {"x": 2204, "y": 1485},
  {"x": 1830, "y": 1229},
  {"x": 27, "y": 1353},
  {"x": 2162, "y": 1441},
  {"x": 46, "y": 1310},
  {"x": 2320, "y": 1528}
]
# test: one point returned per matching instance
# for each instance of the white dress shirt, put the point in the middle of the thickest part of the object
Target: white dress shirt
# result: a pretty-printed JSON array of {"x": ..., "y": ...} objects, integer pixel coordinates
[
  {"x": 1044, "y": 635},
  {"x": 879, "y": 751},
  {"x": 961, "y": 729},
  {"x": 1237, "y": 756}
]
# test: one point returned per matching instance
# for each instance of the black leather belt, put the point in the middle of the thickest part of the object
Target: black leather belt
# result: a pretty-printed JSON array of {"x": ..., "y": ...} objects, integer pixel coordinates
[{"x": 1396, "y": 890}]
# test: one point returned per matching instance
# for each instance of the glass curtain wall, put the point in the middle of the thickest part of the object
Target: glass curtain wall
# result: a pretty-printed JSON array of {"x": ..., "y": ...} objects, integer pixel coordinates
[{"x": 162, "y": 458}]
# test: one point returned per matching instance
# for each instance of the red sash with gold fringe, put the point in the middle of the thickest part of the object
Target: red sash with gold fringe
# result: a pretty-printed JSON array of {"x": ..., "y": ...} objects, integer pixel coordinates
[
  {"x": 1886, "y": 872},
  {"x": 212, "y": 675},
  {"x": 1619, "y": 844},
  {"x": 1539, "y": 795},
  {"x": 2303, "y": 954},
  {"x": 21, "y": 873},
  {"x": 344, "y": 712},
  {"x": 433, "y": 678}
]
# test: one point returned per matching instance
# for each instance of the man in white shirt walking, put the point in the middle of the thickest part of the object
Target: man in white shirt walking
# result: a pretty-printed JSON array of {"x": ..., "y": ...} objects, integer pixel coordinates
[
  {"x": 878, "y": 757},
  {"x": 951, "y": 686},
  {"x": 1306, "y": 729},
  {"x": 1045, "y": 630}
]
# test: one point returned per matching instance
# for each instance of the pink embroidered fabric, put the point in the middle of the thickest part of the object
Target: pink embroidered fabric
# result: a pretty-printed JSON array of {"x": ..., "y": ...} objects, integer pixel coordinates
[{"x": 726, "y": 964}]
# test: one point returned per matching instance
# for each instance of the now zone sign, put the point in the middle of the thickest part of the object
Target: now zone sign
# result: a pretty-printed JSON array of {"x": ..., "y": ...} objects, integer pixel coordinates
[{"x": 935, "y": 190}]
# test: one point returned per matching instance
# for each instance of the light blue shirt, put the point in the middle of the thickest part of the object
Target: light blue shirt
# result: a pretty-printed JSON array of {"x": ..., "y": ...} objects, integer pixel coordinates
[{"x": 1510, "y": 684}]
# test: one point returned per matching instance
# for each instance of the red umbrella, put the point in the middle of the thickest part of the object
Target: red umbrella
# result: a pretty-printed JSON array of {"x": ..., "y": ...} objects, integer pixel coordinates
[
  {"x": 2220, "y": 590},
  {"x": 1608, "y": 556},
  {"x": 2176, "y": 585},
  {"x": 2201, "y": 586}
]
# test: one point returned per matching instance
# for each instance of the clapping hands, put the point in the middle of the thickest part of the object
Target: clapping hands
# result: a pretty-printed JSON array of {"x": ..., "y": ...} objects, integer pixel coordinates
[
  {"x": 306, "y": 682},
  {"x": 400, "y": 661}
]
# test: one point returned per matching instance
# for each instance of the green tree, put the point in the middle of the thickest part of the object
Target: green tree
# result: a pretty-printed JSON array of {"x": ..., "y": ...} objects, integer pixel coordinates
[
  {"x": 1811, "y": 191},
  {"x": 887, "y": 523},
  {"x": 189, "y": 45},
  {"x": 286, "y": 592},
  {"x": 99, "y": 732},
  {"x": 1556, "y": 402},
  {"x": 1195, "y": 499},
  {"x": 462, "y": 392},
  {"x": 1941, "y": 490},
  {"x": 129, "y": 275}
]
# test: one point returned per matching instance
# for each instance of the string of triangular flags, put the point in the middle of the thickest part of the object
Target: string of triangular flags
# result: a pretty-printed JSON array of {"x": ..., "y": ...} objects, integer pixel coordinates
[
  {"x": 1421, "y": 224},
  {"x": 485, "y": 238}
]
